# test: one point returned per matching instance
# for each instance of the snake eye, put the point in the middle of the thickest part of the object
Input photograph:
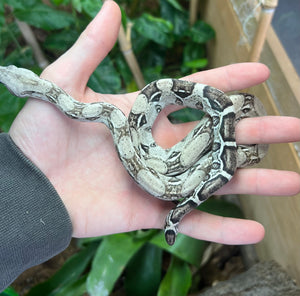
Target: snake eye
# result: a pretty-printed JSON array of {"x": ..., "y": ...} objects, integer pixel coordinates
[
  {"x": 158, "y": 108},
  {"x": 246, "y": 110}
]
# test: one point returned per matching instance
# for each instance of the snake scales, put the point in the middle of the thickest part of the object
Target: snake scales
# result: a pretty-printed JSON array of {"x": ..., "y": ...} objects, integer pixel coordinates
[{"x": 190, "y": 171}]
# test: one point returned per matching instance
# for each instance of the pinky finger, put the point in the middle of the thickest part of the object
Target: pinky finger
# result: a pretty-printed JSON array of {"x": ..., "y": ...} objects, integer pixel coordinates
[{"x": 230, "y": 231}]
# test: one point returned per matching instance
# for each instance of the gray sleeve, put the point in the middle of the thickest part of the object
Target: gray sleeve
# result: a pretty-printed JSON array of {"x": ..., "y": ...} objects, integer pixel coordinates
[{"x": 34, "y": 223}]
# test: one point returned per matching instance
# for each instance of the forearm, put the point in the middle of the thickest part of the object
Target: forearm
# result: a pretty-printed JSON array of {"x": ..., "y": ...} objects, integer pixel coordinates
[{"x": 34, "y": 223}]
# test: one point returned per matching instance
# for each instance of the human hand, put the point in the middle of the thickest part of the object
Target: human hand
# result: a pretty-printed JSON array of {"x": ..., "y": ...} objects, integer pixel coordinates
[{"x": 80, "y": 161}]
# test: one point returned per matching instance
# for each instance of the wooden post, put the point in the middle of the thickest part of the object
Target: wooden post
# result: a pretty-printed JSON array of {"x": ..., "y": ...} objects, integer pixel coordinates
[
  {"x": 266, "y": 15},
  {"x": 193, "y": 11}
]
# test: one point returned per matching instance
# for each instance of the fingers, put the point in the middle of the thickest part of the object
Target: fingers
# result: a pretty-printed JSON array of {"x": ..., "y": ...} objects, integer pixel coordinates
[
  {"x": 230, "y": 231},
  {"x": 79, "y": 62},
  {"x": 198, "y": 224},
  {"x": 263, "y": 182},
  {"x": 258, "y": 130},
  {"x": 268, "y": 129},
  {"x": 232, "y": 77}
]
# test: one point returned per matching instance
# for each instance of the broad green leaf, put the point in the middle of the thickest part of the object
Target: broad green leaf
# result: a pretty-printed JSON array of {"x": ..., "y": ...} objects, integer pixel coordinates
[
  {"x": 2, "y": 17},
  {"x": 178, "y": 279},
  {"x": 21, "y": 57},
  {"x": 77, "y": 288},
  {"x": 44, "y": 17},
  {"x": 186, "y": 248},
  {"x": 9, "y": 292},
  {"x": 152, "y": 56},
  {"x": 111, "y": 258},
  {"x": 193, "y": 51},
  {"x": 105, "y": 78},
  {"x": 82, "y": 242},
  {"x": 9, "y": 108},
  {"x": 77, "y": 5},
  {"x": 175, "y": 4},
  {"x": 123, "y": 69},
  {"x": 9, "y": 34},
  {"x": 178, "y": 17},
  {"x": 69, "y": 274},
  {"x": 60, "y": 41},
  {"x": 91, "y": 7},
  {"x": 196, "y": 64},
  {"x": 201, "y": 32},
  {"x": 155, "y": 29},
  {"x": 21, "y": 4},
  {"x": 152, "y": 73},
  {"x": 186, "y": 115},
  {"x": 139, "y": 42},
  {"x": 143, "y": 272},
  {"x": 60, "y": 2},
  {"x": 221, "y": 207}
]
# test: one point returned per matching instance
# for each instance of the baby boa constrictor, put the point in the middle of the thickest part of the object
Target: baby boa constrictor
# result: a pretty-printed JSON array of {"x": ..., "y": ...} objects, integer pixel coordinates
[{"x": 190, "y": 171}]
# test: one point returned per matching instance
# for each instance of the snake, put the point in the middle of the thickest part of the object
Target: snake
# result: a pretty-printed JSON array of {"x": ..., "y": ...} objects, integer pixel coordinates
[{"x": 189, "y": 172}]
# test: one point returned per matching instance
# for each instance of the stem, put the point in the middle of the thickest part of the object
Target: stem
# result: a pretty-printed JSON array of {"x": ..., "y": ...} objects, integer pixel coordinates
[
  {"x": 32, "y": 42},
  {"x": 126, "y": 48}
]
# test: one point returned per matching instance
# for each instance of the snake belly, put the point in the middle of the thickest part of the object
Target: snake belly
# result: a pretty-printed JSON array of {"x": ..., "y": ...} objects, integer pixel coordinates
[{"x": 190, "y": 171}]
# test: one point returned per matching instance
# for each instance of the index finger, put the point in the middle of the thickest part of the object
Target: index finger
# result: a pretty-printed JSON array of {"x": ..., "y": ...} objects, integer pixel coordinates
[{"x": 232, "y": 77}]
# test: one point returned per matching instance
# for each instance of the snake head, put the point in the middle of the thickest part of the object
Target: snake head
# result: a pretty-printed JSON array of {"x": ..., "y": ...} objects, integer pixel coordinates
[{"x": 16, "y": 79}]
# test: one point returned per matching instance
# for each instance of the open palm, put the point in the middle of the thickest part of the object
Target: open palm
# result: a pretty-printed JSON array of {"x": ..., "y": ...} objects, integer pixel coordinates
[{"x": 80, "y": 161}]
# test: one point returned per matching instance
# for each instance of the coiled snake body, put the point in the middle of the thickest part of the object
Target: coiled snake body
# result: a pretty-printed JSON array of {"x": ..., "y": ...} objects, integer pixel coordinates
[{"x": 190, "y": 171}]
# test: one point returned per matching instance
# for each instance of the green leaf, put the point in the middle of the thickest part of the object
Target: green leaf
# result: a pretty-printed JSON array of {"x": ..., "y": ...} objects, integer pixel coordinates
[
  {"x": 9, "y": 108},
  {"x": 123, "y": 69},
  {"x": 221, "y": 207},
  {"x": 68, "y": 275},
  {"x": 193, "y": 51},
  {"x": 155, "y": 29},
  {"x": 77, "y": 288},
  {"x": 186, "y": 115},
  {"x": 178, "y": 279},
  {"x": 91, "y": 7},
  {"x": 152, "y": 56},
  {"x": 183, "y": 243},
  {"x": 201, "y": 32},
  {"x": 44, "y": 17},
  {"x": 2, "y": 17},
  {"x": 111, "y": 258},
  {"x": 9, "y": 292},
  {"x": 60, "y": 41},
  {"x": 152, "y": 73},
  {"x": 143, "y": 272},
  {"x": 196, "y": 64},
  {"x": 21, "y": 57},
  {"x": 178, "y": 17},
  {"x": 77, "y": 5},
  {"x": 105, "y": 78},
  {"x": 9, "y": 35},
  {"x": 175, "y": 4},
  {"x": 60, "y": 2},
  {"x": 21, "y": 4}
]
